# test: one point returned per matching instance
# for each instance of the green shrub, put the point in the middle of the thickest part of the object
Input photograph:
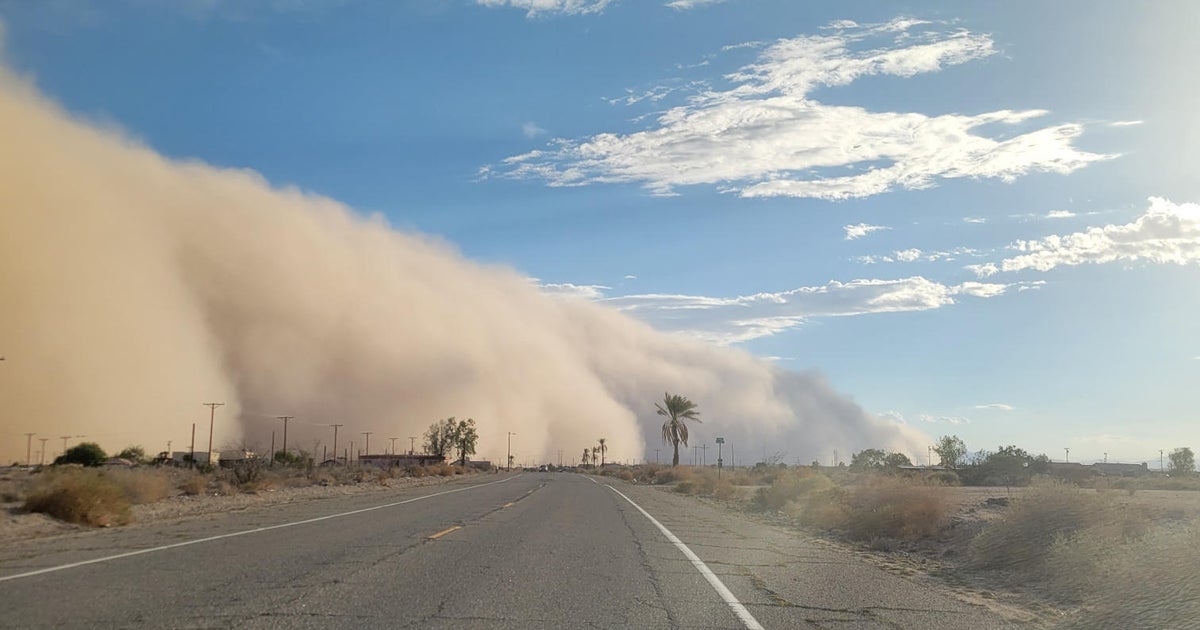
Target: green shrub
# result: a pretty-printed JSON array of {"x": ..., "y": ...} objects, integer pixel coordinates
[
  {"x": 86, "y": 454},
  {"x": 84, "y": 497}
]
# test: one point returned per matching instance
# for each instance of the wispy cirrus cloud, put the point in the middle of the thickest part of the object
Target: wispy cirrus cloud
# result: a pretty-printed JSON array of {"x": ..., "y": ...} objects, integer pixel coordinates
[
  {"x": 914, "y": 255},
  {"x": 1166, "y": 233},
  {"x": 859, "y": 230},
  {"x": 996, "y": 406},
  {"x": 684, "y": 5},
  {"x": 764, "y": 135},
  {"x": 737, "y": 319},
  {"x": 537, "y": 8}
]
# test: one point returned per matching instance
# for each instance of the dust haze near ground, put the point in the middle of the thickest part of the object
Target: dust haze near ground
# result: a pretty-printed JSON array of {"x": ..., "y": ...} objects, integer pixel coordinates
[{"x": 135, "y": 288}]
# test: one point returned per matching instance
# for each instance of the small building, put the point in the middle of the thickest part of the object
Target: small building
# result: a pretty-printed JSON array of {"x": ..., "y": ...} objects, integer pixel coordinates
[
  {"x": 117, "y": 462},
  {"x": 183, "y": 458}
]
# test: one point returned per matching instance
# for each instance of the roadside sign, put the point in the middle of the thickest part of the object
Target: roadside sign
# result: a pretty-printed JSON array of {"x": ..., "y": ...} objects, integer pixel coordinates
[{"x": 720, "y": 440}]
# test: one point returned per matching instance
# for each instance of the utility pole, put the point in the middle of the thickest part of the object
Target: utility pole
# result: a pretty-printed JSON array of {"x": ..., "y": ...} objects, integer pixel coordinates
[
  {"x": 704, "y": 454},
  {"x": 509, "y": 462},
  {"x": 285, "y": 421},
  {"x": 43, "y": 450},
  {"x": 393, "y": 445},
  {"x": 732, "y": 461},
  {"x": 560, "y": 458},
  {"x": 335, "y": 428},
  {"x": 29, "y": 448},
  {"x": 1068, "y": 459},
  {"x": 656, "y": 455},
  {"x": 192, "y": 448},
  {"x": 64, "y": 439},
  {"x": 367, "y": 448},
  {"x": 212, "y": 413},
  {"x": 271, "y": 462},
  {"x": 695, "y": 455},
  {"x": 1160, "y": 460},
  {"x": 412, "y": 445},
  {"x": 929, "y": 456},
  {"x": 1106, "y": 457}
]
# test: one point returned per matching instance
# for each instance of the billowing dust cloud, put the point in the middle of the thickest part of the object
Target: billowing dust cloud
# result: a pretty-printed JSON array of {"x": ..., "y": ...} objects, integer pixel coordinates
[{"x": 135, "y": 288}]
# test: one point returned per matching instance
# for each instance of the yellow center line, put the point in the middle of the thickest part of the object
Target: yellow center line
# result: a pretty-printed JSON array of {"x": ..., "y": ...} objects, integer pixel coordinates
[
  {"x": 509, "y": 504},
  {"x": 444, "y": 532}
]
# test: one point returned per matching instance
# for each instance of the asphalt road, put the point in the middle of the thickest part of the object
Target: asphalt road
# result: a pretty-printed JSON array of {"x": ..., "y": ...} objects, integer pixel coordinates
[{"x": 544, "y": 550}]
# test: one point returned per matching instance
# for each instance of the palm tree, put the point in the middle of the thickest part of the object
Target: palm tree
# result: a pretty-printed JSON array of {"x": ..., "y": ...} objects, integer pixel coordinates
[
  {"x": 603, "y": 450},
  {"x": 677, "y": 409},
  {"x": 595, "y": 454},
  {"x": 586, "y": 454}
]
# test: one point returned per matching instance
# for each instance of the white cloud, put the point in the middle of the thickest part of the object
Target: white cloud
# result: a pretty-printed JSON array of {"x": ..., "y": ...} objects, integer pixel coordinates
[
  {"x": 954, "y": 420},
  {"x": 535, "y": 8},
  {"x": 1165, "y": 233},
  {"x": 764, "y": 135},
  {"x": 739, "y": 319},
  {"x": 914, "y": 254},
  {"x": 996, "y": 406},
  {"x": 974, "y": 220},
  {"x": 860, "y": 230},
  {"x": 630, "y": 276},
  {"x": 531, "y": 130},
  {"x": 572, "y": 291},
  {"x": 1060, "y": 214},
  {"x": 684, "y": 5},
  {"x": 1125, "y": 123}
]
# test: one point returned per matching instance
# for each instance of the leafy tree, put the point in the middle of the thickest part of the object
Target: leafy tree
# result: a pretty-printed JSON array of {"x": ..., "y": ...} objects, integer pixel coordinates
[
  {"x": 463, "y": 438},
  {"x": 950, "y": 450},
  {"x": 439, "y": 439},
  {"x": 876, "y": 458},
  {"x": 603, "y": 450},
  {"x": 1182, "y": 461},
  {"x": 676, "y": 409},
  {"x": 87, "y": 453},
  {"x": 869, "y": 458},
  {"x": 587, "y": 452},
  {"x": 135, "y": 454}
]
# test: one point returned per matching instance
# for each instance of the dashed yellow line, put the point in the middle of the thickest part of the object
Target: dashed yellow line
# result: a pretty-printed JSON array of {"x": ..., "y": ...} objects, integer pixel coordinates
[
  {"x": 509, "y": 504},
  {"x": 444, "y": 532}
]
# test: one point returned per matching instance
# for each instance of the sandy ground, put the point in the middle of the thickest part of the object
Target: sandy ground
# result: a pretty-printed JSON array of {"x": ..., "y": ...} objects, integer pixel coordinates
[{"x": 16, "y": 524}]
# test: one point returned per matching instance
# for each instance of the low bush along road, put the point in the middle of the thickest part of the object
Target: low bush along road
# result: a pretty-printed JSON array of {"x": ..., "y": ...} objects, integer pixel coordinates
[{"x": 544, "y": 550}]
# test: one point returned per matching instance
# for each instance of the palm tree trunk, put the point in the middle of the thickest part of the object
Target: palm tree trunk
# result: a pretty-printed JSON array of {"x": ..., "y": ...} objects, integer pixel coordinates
[{"x": 675, "y": 459}]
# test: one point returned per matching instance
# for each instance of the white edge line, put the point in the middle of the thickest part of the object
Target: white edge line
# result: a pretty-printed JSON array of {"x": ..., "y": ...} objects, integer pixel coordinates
[
  {"x": 185, "y": 543},
  {"x": 744, "y": 615}
]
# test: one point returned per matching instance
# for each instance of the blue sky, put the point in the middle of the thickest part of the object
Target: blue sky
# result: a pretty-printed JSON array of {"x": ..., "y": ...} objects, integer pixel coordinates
[{"x": 945, "y": 207}]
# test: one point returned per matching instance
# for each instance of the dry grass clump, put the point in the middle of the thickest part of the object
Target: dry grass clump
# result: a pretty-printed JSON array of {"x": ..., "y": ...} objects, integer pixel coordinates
[
  {"x": 195, "y": 484},
  {"x": 790, "y": 486},
  {"x": 84, "y": 497},
  {"x": 1148, "y": 583},
  {"x": 1046, "y": 514},
  {"x": 413, "y": 470},
  {"x": 143, "y": 485},
  {"x": 705, "y": 482},
  {"x": 887, "y": 507},
  {"x": 674, "y": 474}
]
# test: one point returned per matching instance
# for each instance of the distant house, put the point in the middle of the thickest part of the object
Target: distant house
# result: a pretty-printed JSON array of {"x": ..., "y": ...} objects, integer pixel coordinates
[
  {"x": 1122, "y": 470},
  {"x": 117, "y": 462},
  {"x": 402, "y": 460},
  {"x": 184, "y": 457}
]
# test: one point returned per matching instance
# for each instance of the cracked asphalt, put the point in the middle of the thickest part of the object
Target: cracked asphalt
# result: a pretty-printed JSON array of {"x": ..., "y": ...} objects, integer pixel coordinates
[{"x": 545, "y": 550}]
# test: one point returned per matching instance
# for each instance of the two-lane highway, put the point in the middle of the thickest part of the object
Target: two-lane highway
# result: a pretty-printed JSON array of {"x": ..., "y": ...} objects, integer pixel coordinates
[{"x": 546, "y": 550}]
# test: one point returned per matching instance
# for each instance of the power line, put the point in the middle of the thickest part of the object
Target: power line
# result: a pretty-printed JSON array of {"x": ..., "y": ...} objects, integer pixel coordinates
[
  {"x": 285, "y": 423},
  {"x": 212, "y": 413},
  {"x": 335, "y": 429}
]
